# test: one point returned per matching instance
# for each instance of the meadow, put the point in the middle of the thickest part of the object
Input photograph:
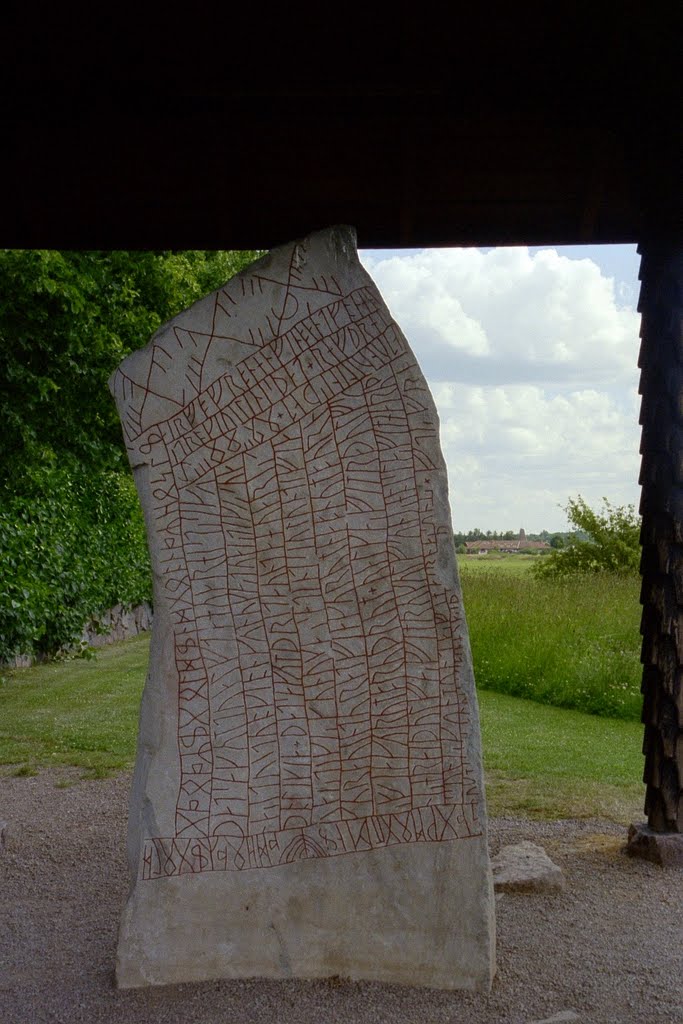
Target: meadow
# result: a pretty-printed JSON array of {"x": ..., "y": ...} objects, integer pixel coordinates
[
  {"x": 572, "y": 643},
  {"x": 538, "y": 761}
]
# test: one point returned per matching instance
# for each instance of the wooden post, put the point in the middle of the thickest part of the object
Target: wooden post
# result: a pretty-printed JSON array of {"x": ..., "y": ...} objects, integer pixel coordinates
[{"x": 661, "y": 388}]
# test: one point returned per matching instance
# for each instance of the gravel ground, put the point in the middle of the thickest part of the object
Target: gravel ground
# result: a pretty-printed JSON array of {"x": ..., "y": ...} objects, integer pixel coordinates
[{"x": 610, "y": 947}]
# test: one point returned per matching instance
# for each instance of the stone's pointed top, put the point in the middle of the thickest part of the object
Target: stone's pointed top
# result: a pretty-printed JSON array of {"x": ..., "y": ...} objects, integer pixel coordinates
[
  {"x": 311, "y": 265},
  {"x": 250, "y": 311},
  {"x": 336, "y": 244},
  {"x": 340, "y": 238},
  {"x": 344, "y": 238}
]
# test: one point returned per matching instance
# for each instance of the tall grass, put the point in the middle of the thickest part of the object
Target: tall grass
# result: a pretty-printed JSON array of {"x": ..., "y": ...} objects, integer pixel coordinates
[{"x": 572, "y": 643}]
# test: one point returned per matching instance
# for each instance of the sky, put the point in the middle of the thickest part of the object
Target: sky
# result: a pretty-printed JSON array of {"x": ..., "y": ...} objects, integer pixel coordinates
[{"x": 531, "y": 356}]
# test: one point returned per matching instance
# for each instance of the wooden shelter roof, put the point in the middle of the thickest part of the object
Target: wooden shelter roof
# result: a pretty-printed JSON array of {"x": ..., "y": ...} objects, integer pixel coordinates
[{"x": 491, "y": 129}]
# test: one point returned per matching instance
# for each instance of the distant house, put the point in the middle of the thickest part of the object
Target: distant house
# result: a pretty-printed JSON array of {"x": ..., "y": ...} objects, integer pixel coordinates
[{"x": 506, "y": 547}]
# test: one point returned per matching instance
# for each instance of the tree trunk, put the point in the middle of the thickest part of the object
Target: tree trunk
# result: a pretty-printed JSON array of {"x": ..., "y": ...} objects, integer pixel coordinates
[{"x": 661, "y": 387}]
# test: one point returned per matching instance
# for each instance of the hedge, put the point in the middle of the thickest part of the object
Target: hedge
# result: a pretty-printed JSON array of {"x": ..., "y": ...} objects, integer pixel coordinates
[{"x": 72, "y": 545}]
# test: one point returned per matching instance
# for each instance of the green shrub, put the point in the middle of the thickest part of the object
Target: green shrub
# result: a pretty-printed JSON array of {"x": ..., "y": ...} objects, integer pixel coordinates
[
  {"x": 72, "y": 545},
  {"x": 72, "y": 538},
  {"x": 603, "y": 542}
]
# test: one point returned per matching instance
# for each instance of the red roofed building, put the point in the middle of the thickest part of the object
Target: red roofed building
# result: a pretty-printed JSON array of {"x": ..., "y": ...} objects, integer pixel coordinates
[{"x": 506, "y": 547}]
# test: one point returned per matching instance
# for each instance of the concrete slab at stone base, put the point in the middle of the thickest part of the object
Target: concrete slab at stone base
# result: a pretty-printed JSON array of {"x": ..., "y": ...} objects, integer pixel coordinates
[
  {"x": 663, "y": 848},
  {"x": 402, "y": 915}
]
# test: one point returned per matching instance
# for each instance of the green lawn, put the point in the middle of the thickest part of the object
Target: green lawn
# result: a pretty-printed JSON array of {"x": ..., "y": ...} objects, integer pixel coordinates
[
  {"x": 539, "y": 760},
  {"x": 548, "y": 762},
  {"x": 80, "y": 712}
]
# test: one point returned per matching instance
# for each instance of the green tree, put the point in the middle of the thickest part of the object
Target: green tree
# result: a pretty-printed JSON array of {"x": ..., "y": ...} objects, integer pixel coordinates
[
  {"x": 72, "y": 540},
  {"x": 66, "y": 321},
  {"x": 603, "y": 541},
  {"x": 68, "y": 551}
]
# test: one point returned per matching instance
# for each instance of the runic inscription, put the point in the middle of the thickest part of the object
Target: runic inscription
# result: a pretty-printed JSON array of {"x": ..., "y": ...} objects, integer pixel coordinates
[{"x": 294, "y": 473}]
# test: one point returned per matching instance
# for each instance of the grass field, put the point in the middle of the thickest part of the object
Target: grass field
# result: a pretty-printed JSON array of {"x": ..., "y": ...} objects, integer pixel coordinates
[
  {"x": 80, "y": 712},
  {"x": 539, "y": 761},
  {"x": 573, "y": 643},
  {"x": 510, "y": 565}
]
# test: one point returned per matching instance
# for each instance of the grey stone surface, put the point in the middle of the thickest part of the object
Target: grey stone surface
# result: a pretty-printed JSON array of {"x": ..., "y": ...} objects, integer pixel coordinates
[
  {"x": 559, "y": 1018},
  {"x": 663, "y": 848},
  {"x": 307, "y": 799},
  {"x": 525, "y": 867}
]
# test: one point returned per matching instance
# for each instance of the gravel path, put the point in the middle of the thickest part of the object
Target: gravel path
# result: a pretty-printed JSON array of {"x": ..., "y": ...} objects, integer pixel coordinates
[{"x": 610, "y": 947}]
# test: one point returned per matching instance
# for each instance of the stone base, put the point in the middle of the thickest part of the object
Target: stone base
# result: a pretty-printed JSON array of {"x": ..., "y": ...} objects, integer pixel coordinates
[
  {"x": 663, "y": 848},
  {"x": 525, "y": 867},
  {"x": 415, "y": 915}
]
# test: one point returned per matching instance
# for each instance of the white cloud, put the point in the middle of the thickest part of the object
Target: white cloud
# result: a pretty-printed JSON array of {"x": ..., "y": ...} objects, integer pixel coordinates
[
  {"x": 532, "y": 363},
  {"x": 506, "y": 315},
  {"x": 528, "y": 451}
]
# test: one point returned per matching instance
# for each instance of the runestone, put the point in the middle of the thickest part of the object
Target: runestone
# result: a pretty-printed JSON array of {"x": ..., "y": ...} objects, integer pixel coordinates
[{"x": 307, "y": 798}]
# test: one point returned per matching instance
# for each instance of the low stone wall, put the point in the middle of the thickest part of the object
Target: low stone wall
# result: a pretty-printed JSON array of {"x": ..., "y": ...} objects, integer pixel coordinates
[{"x": 119, "y": 623}]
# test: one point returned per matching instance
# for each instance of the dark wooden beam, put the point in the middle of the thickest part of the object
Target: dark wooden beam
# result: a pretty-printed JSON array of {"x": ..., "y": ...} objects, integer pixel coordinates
[
  {"x": 661, "y": 387},
  {"x": 501, "y": 127}
]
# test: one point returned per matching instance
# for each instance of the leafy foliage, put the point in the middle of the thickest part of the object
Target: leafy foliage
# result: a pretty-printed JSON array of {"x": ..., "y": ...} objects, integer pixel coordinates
[
  {"x": 69, "y": 550},
  {"x": 611, "y": 544},
  {"x": 72, "y": 540},
  {"x": 66, "y": 321}
]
